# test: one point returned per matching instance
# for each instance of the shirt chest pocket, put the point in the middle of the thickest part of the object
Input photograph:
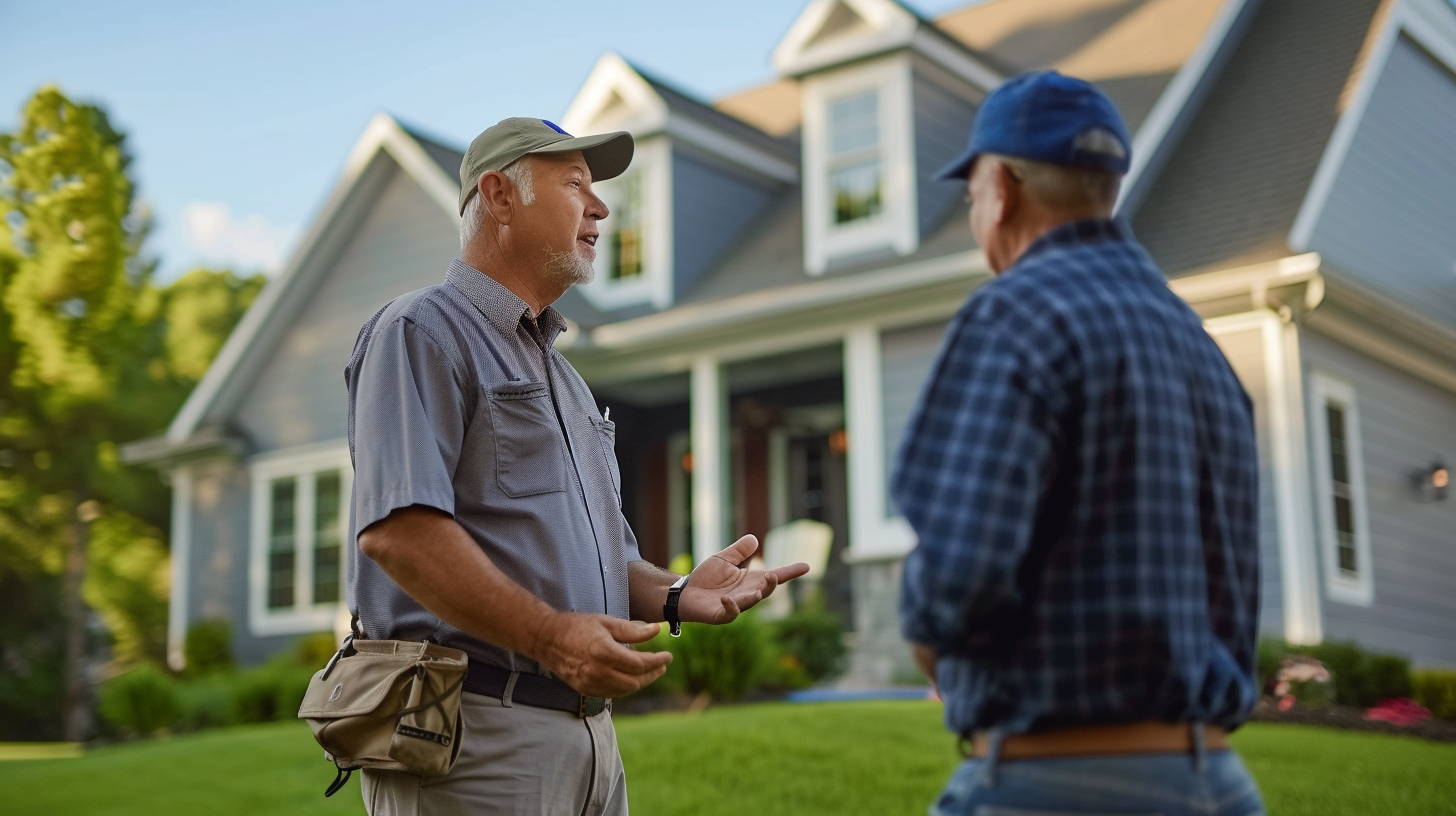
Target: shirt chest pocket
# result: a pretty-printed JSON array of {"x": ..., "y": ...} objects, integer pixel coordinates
[
  {"x": 530, "y": 451},
  {"x": 607, "y": 435}
]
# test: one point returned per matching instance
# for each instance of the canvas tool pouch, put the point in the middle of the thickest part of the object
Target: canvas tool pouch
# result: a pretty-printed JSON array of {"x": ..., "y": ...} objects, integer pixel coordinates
[{"x": 390, "y": 705}]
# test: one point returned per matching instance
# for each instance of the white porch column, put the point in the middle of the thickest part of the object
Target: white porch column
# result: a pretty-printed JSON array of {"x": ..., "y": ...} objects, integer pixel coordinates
[
  {"x": 710, "y": 452},
  {"x": 181, "y": 560},
  {"x": 872, "y": 531}
]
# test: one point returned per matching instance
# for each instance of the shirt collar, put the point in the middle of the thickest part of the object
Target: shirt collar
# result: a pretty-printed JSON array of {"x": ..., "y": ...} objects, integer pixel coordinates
[
  {"x": 1087, "y": 231},
  {"x": 503, "y": 308}
]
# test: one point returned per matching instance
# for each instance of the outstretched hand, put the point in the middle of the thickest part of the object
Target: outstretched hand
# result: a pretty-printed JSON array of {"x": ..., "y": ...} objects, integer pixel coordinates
[{"x": 720, "y": 588}]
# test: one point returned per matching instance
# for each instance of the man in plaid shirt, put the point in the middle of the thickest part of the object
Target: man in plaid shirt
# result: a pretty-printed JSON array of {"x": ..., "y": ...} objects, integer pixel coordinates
[{"x": 1081, "y": 473}]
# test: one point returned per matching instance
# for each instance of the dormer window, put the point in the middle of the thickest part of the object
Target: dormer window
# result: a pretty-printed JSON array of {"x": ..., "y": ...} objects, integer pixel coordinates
[
  {"x": 634, "y": 251},
  {"x": 859, "y": 163},
  {"x": 624, "y": 227},
  {"x": 855, "y": 173}
]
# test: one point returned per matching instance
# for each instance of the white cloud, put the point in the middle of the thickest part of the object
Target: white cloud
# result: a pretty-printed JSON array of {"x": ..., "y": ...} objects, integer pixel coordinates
[{"x": 243, "y": 243}]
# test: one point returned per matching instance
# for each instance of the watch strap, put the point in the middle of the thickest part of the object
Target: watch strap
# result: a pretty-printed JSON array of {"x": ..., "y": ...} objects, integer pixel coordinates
[{"x": 669, "y": 609}]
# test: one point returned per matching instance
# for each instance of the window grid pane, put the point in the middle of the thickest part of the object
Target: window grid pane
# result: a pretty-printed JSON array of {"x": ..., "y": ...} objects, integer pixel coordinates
[
  {"x": 282, "y": 543},
  {"x": 854, "y": 125},
  {"x": 327, "y": 541},
  {"x": 626, "y": 238},
  {"x": 1342, "y": 495},
  {"x": 856, "y": 191}
]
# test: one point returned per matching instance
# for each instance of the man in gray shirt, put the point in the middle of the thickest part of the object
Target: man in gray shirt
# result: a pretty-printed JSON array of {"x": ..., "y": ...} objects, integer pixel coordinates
[{"x": 487, "y": 509}]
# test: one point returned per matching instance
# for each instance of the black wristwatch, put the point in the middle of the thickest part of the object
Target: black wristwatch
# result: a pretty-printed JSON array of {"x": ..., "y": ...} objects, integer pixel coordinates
[{"x": 669, "y": 609}]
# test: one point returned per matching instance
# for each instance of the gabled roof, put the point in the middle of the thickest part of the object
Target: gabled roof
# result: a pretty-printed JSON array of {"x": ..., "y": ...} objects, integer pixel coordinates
[
  {"x": 1230, "y": 191},
  {"x": 384, "y": 141},
  {"x": 619, "y": 96}
]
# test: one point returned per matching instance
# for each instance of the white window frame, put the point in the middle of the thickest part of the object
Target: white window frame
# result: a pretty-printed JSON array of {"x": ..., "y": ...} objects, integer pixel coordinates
[
  {"x": 652, "y": 163},
  {"x": 897, "y": 226},
  {"x": 1358, "y": 589},
  {"x": 302, "y": 464}
]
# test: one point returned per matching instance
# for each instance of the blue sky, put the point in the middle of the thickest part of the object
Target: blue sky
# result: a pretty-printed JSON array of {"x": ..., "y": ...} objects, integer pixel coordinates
[{"x": 240, "y": 115}]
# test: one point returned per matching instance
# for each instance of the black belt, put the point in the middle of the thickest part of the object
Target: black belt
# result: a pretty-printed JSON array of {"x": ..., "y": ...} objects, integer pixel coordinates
[{"x": 531, "y": 689}]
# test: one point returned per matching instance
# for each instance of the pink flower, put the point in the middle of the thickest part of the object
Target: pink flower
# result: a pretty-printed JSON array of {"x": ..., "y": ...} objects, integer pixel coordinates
[{"x": 1402, "y": 711}]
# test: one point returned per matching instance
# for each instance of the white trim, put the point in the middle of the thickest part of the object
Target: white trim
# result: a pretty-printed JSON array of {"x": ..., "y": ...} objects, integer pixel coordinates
[
  {"x": 654, "y": 164},
  {"x": 709, "y": 413},
  {"x": 1298, "y": 570},
  {"x": 304, "y": 464},
  {"x": 645, "y": 114},
  {"x": 1173, "y": 100},
  {"x": 873, "y": 532},
  {"x": 936, "y": 46},
  {"x": 1432, "y": 25},
  {"x": 177, "y": 611},
  {"x": 897, "y": 226},
  {"x": 891, "y": 26},
  {"x": 695, "y": 318},
  {"x": 1255, "y": 280},
  {"x": 383, "y": 133},
  {"x": 1359, "y": 590}
]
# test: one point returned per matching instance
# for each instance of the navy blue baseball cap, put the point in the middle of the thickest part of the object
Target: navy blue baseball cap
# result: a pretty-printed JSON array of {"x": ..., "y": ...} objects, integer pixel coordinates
[{"x": 1046, "y": 116}]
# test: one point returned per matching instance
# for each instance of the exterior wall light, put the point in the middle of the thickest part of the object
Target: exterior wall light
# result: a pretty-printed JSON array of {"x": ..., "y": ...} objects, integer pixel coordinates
[{"x": 1433, "y": 481}]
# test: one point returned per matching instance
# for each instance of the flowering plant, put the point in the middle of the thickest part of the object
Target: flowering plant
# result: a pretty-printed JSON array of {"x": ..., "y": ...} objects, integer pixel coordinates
[
  {"x": 1301, "y": 679},
  {"x": 1402, "y": 711}
]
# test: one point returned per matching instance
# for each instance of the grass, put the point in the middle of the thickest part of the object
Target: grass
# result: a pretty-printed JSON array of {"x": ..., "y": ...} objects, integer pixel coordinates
[{"x": 889, "y": 757}]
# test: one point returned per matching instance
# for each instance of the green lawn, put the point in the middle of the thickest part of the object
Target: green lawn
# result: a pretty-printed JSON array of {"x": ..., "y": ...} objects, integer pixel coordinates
[{"x": 799, "y": 760}]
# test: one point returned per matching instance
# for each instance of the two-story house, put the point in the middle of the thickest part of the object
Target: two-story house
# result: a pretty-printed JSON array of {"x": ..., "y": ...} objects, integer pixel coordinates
[{"x": 779, "y": 268}]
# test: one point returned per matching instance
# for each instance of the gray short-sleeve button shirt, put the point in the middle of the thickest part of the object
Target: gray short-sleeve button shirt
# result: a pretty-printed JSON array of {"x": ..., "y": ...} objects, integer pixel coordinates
[{"x": 458, "y": 401}]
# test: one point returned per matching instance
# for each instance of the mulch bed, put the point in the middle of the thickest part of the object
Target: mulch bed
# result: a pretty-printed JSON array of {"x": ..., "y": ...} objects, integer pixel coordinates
[{"x": 1351, "y": 719}]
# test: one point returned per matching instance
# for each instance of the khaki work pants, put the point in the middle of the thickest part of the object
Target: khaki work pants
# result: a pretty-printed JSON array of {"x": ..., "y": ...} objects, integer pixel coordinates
[{"x": 517, "y": 760}]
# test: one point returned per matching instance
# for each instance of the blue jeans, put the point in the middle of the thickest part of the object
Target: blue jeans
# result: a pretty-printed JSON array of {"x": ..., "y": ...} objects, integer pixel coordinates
[{"x": 1214, "y": 783}]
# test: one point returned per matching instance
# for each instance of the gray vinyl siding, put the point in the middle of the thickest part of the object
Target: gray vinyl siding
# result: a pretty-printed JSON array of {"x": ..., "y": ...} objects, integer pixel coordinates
[
  {"x": 712, "y": 205},
  {"x": 1245, "y": 352},
  {"x": 942, "y": 123},
  {"x": 404, "y": 243},
  {"x": 1389, "y": 215},
  {"x": 1405, "y": 424},
  {"x": 906, "y": 357},
  {"x": 218, "y": 556}
]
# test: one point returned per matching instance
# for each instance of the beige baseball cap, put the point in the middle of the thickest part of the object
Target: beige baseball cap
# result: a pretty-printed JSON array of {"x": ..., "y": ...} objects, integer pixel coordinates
[{"x": 607, "y": 154}]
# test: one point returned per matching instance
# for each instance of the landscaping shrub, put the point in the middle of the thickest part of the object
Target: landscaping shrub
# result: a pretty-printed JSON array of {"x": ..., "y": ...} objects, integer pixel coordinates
[
  {"x": 208, "y": 646},
  {"x": 207, "y": 702},
  {"x": 723, "y": 661},
  {"x": 1436, "y": 690},
  {"x": 1361, "y": 679},
  {"x": 813, "y": 640},
  {"x": 272, "y": 691},
  {"x": 315, "y": 650},
  {"x": 142, "y": 701}
]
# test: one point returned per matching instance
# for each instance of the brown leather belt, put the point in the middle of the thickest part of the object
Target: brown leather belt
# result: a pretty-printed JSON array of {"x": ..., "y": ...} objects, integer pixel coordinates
[{"x": 1102, "y": 740}]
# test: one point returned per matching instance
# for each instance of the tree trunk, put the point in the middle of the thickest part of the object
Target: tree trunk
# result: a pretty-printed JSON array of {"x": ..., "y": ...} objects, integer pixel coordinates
[{"x": 76, "y": 723}]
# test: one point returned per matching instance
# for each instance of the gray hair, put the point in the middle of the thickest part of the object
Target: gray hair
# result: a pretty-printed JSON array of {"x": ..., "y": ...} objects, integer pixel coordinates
[
  {"x": 519, "y": 172},
  {"x": 1062, "y": 187}
]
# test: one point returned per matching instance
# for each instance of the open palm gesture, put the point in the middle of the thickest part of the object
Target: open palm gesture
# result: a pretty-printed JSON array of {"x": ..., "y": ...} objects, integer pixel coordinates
[{"x": 721, "y": 588}]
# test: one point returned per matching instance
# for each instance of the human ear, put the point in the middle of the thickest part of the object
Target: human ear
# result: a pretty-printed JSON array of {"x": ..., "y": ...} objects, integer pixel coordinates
[
  {"x": 1008, "y": 193},
  {"x": 492, "y": 187}
]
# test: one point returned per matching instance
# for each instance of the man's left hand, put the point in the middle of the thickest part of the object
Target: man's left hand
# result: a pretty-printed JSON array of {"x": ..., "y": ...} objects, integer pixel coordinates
[{"x": 721, "y": 588}]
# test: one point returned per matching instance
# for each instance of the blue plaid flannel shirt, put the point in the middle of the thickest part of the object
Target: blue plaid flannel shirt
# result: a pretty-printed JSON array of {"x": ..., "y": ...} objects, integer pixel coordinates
[{"x": 1081, "y": 473}]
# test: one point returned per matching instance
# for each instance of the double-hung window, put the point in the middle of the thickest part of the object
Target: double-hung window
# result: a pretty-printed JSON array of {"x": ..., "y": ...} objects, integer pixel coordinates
[
  {"x": 299, "y": 515},
  {"x": 859, "y": 163},
  {"x": 1340, "y": 487},
  {"x": 624, "y": 245},
  {"x": 856, "y": 178}
]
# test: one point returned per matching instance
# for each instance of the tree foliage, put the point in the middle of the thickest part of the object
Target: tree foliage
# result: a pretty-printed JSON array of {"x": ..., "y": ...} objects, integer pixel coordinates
[{"x": 93, "y": 354}]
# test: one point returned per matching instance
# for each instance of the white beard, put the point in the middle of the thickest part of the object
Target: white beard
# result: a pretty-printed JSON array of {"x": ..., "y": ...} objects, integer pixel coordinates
[{"x": 567, "y": 269}]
